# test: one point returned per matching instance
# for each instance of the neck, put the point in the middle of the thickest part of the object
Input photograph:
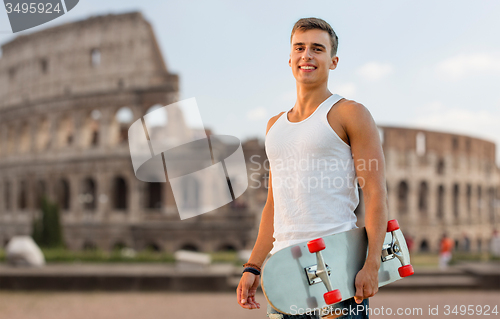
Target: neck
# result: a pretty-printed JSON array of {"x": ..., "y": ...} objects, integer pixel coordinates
[{"x": 309, "y": 97}]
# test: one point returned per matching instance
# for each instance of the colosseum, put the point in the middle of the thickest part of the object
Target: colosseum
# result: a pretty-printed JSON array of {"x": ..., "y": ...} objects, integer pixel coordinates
[
  {"x": 442, "y": 183},
  {"x": 68, "y": 95}
]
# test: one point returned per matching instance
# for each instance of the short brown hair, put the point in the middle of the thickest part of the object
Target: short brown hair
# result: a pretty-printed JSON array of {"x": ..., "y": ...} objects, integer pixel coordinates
[{"x": 305, "y": 24}]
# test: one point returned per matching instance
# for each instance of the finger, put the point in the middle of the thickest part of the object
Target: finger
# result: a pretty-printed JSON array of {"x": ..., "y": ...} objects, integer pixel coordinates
[
  {"x": 358, "y": 297},
  {"x": 242, "y": 301},
  {"x": 244, "y": 295},
  {"x": 238, "y": 294},
  {"x": 254, "y": 302},
  {"x": 251, "y": 299}
]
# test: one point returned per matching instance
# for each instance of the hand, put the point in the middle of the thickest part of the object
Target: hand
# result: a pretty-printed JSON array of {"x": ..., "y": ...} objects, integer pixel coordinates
[
  {"x": 246, "y": 291},
  {"x": 366, "y": 283}
]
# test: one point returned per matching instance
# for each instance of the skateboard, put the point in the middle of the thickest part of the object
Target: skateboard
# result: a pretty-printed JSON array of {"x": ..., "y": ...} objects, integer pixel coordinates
[{"x": 321, "y": 272}]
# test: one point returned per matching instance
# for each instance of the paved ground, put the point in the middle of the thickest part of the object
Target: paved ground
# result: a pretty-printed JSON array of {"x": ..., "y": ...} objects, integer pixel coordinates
[{"x": 77, "y": 305}]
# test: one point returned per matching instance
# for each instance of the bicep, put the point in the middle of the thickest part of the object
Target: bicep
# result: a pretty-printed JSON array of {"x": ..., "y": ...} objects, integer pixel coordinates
[{"x": 366, "y": 150}]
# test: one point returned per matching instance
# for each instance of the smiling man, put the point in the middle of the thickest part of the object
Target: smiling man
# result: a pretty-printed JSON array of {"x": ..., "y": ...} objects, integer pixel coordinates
[{"x": 326, "y": 128}]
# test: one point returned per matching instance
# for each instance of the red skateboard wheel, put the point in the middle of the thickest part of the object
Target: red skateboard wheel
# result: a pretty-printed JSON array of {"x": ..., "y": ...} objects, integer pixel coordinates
[
  {"x": 392, "y": 225},
  {"x": 332, "y": 297},
  {"x": 316, "y": 245},
  {"x": 405, "y": 271}
]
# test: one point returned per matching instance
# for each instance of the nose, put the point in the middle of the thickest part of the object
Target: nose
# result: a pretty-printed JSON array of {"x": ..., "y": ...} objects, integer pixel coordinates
[{"x": 306, "y": 55}]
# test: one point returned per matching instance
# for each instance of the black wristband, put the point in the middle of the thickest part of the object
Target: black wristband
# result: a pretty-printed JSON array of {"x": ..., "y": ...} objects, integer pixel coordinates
[{"x": 251, "y": 270}]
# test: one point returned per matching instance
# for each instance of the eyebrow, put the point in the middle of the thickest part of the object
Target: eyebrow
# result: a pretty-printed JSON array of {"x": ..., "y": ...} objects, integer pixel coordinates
[{"x": 314, "y": 44}]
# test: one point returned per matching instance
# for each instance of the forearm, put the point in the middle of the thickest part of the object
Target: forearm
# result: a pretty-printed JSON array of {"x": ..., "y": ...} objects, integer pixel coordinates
[
  {"x": 376, "y": 226},
  {"x": 265, "y": 238}
]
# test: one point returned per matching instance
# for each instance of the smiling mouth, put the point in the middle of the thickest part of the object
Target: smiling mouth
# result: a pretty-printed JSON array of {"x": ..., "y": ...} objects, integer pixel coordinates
[{"x": 307, "y": 67}]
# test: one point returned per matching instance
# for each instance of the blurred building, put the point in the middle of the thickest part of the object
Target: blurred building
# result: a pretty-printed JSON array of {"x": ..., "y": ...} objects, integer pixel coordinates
[
  {"x": 442, "y": 183},
  {"x": 68, "y": 95}
]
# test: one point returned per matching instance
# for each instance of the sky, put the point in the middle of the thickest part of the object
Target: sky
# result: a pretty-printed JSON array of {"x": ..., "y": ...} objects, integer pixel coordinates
[{"x": 420, "y": 64}]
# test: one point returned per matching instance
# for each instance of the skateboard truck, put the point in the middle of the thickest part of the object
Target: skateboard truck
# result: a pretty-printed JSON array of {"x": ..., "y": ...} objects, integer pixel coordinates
[
  {"x": 393, "y": 250},
  {"x": 320, "y": 272}
]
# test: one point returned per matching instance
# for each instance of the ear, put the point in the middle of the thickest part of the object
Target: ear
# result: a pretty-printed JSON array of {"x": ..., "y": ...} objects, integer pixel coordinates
[
  {"x": 290, "y": 61},
  {"x": 335, "y": 61}
]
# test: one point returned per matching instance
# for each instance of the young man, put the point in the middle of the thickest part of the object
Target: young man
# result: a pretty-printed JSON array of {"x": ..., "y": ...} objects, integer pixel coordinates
[{"x": 325, "y": 128}]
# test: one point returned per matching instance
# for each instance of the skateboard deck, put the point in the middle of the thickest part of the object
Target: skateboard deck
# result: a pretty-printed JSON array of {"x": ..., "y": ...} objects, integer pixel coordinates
[{"x": 296, "y": 277}]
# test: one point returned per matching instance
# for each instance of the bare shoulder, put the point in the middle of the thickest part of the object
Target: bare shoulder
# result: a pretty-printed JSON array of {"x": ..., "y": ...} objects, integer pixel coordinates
[
  {"x": 272, "y": 121},
  {"x": 350, "y": 108},
  {"x": 353, "y": 114}
]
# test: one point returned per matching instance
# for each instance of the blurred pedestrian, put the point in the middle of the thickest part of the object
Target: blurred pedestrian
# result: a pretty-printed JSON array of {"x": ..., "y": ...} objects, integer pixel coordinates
[
  {"x": 466, "y": 243},
  {"x": 446, "y": 247}
]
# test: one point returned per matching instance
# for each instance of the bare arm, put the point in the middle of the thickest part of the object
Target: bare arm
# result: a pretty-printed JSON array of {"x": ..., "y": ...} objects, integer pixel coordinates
[
  {"x": 265, "y": 238},
  {"x": 370, "y": 170},
  {"x": 249, "y": 282}
]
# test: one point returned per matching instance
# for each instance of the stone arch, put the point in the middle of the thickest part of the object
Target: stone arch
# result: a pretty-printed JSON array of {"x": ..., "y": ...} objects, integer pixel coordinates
[
  {"x": 65, "y": 131},
  {"x": 423, "y": 197},
  {"x": 479, "y": 200},
  {"x": 456, "y": 205},
  {"x": 440, "y": 167},
  {"x": 469, "y": 201},
  {"x": 63, "y": 194},
  {"x": 23, "y": 195},
  {"x": 24, "y": 138},
  {"x": 121, "y": 121},
  {"x": 43, "y": 134},
  {"x": 227, "y": 247},
  {"x": 403, "y": 191},
  {"x": 120, "y": 193},
  {"x": 424, "y": 246},
  {"x": 440, "y": 202},
  {"x": 91, "y": 129},
  {"x": 11, "y": 140},
  {"x": 153, "y": 246},
  {"x": 154, "y": 195},
  {"x": 88, "y": 196},
  {"x": 491, "y": 204},
  {"x": 7, "y": 193}
]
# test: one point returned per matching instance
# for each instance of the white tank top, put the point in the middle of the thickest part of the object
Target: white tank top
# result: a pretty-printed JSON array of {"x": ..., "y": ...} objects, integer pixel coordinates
[{"x": 313, "y": 178}]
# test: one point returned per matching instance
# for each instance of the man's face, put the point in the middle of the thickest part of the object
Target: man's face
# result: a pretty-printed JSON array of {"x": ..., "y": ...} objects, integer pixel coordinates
[{"x": 310, "y": 57}]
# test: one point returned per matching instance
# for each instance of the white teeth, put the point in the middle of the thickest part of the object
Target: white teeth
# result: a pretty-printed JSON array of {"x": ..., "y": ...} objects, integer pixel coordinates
[{"x": 307, "y": 67}]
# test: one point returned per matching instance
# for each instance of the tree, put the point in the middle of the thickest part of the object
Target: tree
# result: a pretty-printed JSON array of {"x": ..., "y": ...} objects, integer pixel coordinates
[{"x": 47, "y": 231}]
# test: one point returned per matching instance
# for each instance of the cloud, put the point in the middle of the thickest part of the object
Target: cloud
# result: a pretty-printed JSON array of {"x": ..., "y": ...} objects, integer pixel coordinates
[
  {"x": 435, "y": 116},
  {"x": 460, "y": 66},
  {"x": 259, "y": 113},
  {"x": 374, "y": 71}
]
